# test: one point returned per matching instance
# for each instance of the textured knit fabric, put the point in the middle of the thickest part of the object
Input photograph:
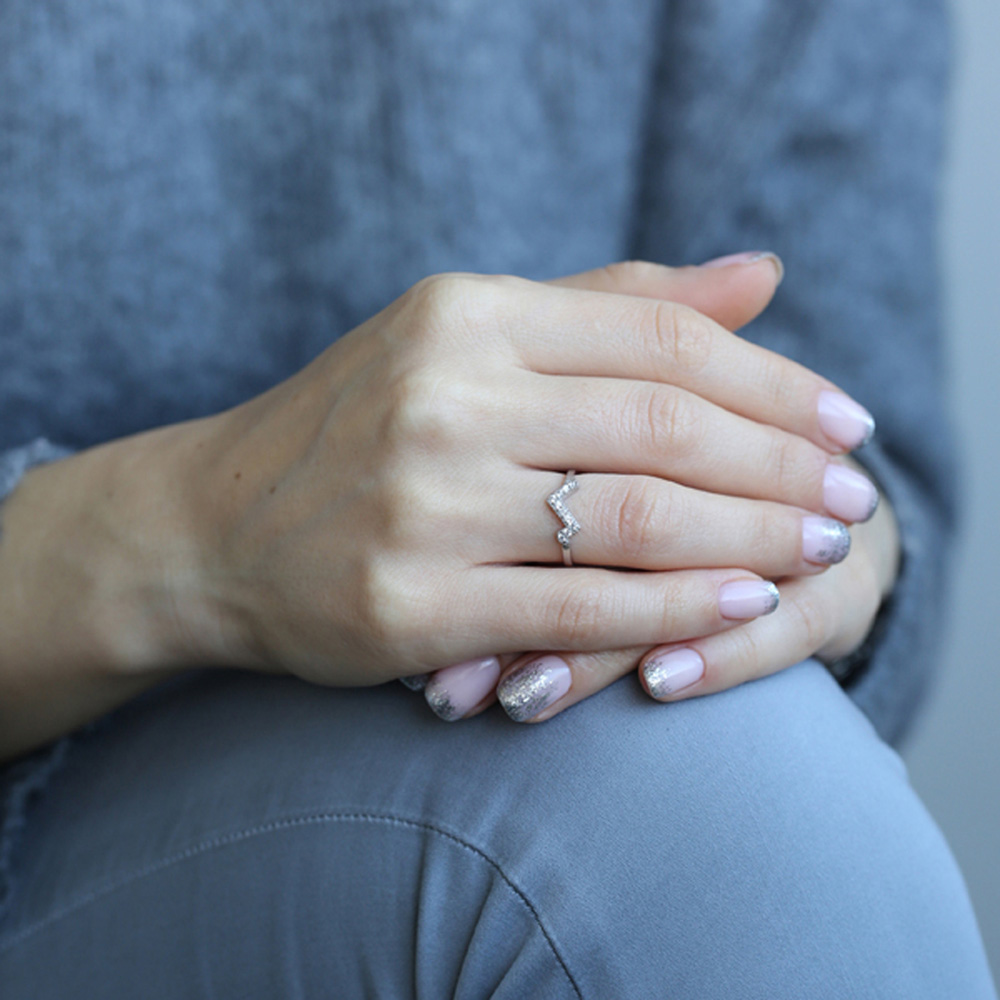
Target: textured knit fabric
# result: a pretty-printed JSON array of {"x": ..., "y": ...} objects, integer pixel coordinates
[{"x": 198, "y": 196}]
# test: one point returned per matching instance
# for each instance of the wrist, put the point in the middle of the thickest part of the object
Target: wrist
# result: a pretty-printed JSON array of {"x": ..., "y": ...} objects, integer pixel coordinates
[{"x": 100, "y": 565}]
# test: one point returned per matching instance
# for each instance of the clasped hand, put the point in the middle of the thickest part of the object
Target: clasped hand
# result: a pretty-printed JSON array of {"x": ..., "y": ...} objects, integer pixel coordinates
[{"x": 382, "y": 514}]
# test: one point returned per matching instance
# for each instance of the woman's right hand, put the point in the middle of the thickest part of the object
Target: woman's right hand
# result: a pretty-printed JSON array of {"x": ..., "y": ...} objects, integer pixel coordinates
[{"x": 382, "y": 512}]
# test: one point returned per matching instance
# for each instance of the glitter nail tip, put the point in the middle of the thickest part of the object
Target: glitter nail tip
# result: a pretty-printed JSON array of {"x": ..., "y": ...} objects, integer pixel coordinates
[
  {"x": 453, "y": 692},
  {"x": 415, "y": 682},
  {"x": 824, "y": 541},
  {"x": 742, "y": 600},
  {"x": 441, "y": 704},
  {"x": 673, "y": 671},
  {"x": 844, "y": 421},
  {"x": 531, "y": 689},
  {"x": 848, "y": 495}
]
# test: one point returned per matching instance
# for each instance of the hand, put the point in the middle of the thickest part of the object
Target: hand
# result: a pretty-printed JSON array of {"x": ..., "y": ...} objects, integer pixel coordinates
[
  {"x": 826, "y": 616},
  {"x": 303, "y": 530},
  {"x": 378, "y": 514}
]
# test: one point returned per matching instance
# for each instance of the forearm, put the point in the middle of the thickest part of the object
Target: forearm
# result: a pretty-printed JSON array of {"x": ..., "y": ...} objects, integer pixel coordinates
[{"x": 96, "y": 551}]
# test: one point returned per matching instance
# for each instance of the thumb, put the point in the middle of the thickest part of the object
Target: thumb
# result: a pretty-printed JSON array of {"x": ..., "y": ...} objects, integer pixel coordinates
[{"x": 731, "y": 290}]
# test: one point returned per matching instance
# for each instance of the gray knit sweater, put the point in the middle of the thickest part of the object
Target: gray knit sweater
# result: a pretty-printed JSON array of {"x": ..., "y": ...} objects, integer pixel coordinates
[{"x": 198, "y": 196}]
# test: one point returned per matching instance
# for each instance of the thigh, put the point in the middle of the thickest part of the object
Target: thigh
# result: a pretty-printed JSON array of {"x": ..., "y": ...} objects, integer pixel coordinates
[{"x": 230, "y": 835}]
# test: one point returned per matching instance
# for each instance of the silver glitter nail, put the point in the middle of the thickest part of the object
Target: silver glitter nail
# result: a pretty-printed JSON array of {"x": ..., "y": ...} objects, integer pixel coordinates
[
  {"x": 528, "y": 691},
  {"x": 775, "y": 597},
  {"x": 666, "y": 675},
  {"x": 869, "y": 434},
  {"x": 658, "y": 680},
  {"x": 440, "y": 702},
  {"x": 415, "y": 682},
  {"x": 836, "y": 543}
]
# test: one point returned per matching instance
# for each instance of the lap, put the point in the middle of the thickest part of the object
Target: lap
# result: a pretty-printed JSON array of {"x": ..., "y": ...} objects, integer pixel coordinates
[{"x": 235, "y": 835}]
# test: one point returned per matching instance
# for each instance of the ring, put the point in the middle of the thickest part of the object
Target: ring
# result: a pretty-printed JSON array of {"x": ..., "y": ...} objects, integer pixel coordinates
[{"x": 570, "y": 524}]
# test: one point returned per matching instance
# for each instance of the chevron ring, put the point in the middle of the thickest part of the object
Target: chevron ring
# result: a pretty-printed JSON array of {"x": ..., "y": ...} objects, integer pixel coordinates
[{"x": 570, "y": 524}]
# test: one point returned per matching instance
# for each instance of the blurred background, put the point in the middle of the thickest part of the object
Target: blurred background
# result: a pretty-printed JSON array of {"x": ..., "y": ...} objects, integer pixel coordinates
[{"x": 954, "y": 752}]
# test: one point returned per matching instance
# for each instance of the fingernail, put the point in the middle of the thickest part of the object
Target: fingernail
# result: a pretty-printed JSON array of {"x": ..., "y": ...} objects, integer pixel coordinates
[
  {"x": 745, "y": 599},
  {"x": 824, "y": 540},
  {"x": 672, "y": 671},
  {"x": 844, "y": 421},
  {"x": 749, "y": 257},
  {"x": 847, "y": 494},
  {"x": 530, "y": 689},
  {"x": 415, "y": 682},
  {"x": 453, "y": 692}
]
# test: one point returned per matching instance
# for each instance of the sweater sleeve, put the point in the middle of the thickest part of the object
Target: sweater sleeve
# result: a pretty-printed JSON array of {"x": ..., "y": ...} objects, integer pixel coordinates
[
  {"x": 25, "y": 778},
  {"x": 815, "y": 129}
]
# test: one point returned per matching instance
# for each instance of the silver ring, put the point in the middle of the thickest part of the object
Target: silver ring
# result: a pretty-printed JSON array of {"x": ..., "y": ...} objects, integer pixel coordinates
[{"x": 570, "y": 524}]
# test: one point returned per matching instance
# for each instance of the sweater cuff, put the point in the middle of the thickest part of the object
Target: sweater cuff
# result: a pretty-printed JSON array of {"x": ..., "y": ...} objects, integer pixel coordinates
[
  {"x": 889, "y": 676},
  {"x": 16, "y": 462},
  {"x": 23, "y": 780}
]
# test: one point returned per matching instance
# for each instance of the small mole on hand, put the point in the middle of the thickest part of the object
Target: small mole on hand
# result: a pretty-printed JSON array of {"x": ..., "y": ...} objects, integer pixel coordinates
[
  {"x": 237, "y": 476},
  {"x": 273, "y": 488}
]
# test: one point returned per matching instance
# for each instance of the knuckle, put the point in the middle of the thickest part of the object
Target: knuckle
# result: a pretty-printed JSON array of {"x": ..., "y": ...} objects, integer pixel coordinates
[
  {"x": 745, "y": 655},
  {"x": 391, "y": 607},
  {"x": 413, "y": 510},
  {"x": 456, "y": 301},
  {"x": 437, "y": 294},
  {"x": 387, "y": 512},
  {"x": 634, "y": 518},
  {"x": 778, "y": 382},
  {"x": 380, "y": 605},
  {"x": 811, "y": 620},
  {"x": 576, "y": 616},
  {"x": 682, "y": 335},
  {"x": 426, "y": 408},
  {"x": 767, "y": 532},
  {"x": 417, "y": 409},
  {"x": 669, "y": 422},
  {"x": 795, "y": 469}
]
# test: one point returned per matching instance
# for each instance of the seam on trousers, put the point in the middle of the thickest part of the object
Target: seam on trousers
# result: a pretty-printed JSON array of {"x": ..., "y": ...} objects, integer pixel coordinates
[{"x": 274, "y": 826}]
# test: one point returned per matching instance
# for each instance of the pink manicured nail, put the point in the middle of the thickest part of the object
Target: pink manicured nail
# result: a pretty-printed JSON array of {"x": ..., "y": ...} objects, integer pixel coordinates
[
  {"x": 847, "y": 494},
  {"x": 743, "y": 599},
  {"x": 453, "y": 692},
  {"x": 672, "y": 671},
  {"x": 844, "y": 421},
  {"x": 530, "y": 689},
  {"x": 824, "y": 540},
  {"x": 749, "y": 257}
]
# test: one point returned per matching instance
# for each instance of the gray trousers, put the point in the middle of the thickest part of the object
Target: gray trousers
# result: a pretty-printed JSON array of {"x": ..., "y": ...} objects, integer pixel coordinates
[{"x": 229, "y": 835}]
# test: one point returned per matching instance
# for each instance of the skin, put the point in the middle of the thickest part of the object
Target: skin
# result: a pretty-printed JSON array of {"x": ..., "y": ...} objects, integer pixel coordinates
[{"x": 377, "y": 514}]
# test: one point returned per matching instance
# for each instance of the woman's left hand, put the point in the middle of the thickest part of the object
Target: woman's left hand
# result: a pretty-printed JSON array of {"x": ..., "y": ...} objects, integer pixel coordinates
[{"x": 826, "y": 616}]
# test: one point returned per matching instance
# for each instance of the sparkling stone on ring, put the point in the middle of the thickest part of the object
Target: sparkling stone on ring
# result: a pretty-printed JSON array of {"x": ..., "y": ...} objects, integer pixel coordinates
[{"x": 570, "y": 524}]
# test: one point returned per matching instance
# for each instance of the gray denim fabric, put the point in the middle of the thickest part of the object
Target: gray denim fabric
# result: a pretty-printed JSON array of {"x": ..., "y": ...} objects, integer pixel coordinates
[{"x": 196, "y": 198}]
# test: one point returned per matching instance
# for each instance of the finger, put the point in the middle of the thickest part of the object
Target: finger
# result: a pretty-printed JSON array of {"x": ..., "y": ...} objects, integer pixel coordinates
[
  {"x": 564, "y": 331},
  {"x": 644, "y": 522},
  {"x": 629, "y": 426},
  {"x": 511, "y": 608},
  {"x": 825, "y": 616},
  {"x": 465, "y": 689},
  {"x": 540, "y": 685},
  {"x": 462, "y": 689},
  {"x": 732, "y": 291}
]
